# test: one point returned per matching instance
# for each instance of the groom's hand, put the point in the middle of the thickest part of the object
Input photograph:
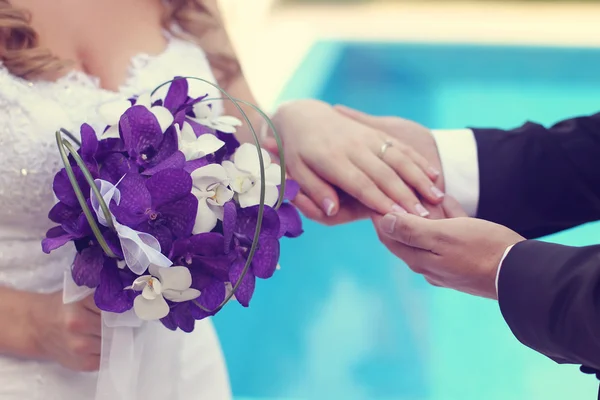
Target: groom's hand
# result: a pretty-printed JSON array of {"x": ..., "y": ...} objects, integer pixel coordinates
[
  {"x": 405, "y": 131},
  {"x": 457, "y": 253}
]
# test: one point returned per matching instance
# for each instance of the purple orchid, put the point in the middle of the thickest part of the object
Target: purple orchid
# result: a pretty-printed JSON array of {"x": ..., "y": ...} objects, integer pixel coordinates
[
  {"x": 239, "y": 226},
  {"x": 111, "y": 294},
  {"x": 161, "y": 205},
  {"x": 143, "y": 137}
]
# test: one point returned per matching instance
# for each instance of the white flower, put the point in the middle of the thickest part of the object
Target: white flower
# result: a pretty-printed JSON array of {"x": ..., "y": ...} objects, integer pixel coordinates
[
  {"x": 162, "y": 284},
  {"x": 196, "y": 147},
  {"x": 210, "y": 187},
  {"x": 140, "y": 250},
  {"x": 111, "y": 114},
  {"x": 244, "y": 176},
  {"x": 205, "y": 116}
]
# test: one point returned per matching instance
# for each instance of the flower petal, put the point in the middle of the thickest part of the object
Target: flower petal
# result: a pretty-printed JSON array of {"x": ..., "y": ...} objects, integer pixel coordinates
[
  {"x": 175, "y": 161},
  {"x": 206, "y": 219},
  {"x": 290, "y": 221},
  {"x": 150, "y": 310},
  {"x": 135, "y": 200},
  {"x": 61, "y": 213},
  {"x": 55, "y": 238},
  {"x": 115, "y": 166},
  {"x": 202, "y": 110},
  {"x": 292, "y": 188},
  {"x": 179, "y": 296},
  {"x": 89, "y": 142},
  {"x": 245, "y": 291},
  {"x": 179, "y": 216},
  {"x": 168, "y": 185},
  {"x": 273, "y": 175},
  {"x": 141, "y": 130},
  {"x": 246, "y": 159},
  {"x": 252, "y": 197},
  {"x": 177, "y": 94},
  {"x": 266, "y": 258},
  {"x": 229, "y": 224},
  {"x": 87, "y": 267},
  {"x": 110, "y": 294},
  {"x": 209, "y": 175},
  {"x": 212, "y": 295},
  {"x": 175, "y": 278},
  {"x": 247, "y": 219},
  {"x": 140, "y": 283},
  {"x": 109, "y": 193},
  {"x": 208, "y": 144},
  {"x": 163, "y": 116}
]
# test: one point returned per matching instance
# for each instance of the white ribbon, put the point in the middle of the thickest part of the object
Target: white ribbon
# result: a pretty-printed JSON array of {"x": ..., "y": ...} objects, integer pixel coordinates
[
  {"x": 135, "y": 363},
  {"x": 136, "y": 360}
]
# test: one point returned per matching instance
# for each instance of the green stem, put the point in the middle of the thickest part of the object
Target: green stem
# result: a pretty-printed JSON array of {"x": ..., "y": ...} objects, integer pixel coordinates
[{"x": 78, "y": 192}]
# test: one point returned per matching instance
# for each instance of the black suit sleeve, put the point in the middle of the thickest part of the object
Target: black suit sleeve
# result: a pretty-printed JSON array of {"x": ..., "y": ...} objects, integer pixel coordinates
[
  {"x": 539, "y": 181},
  {"x": 549, "y": 295}
]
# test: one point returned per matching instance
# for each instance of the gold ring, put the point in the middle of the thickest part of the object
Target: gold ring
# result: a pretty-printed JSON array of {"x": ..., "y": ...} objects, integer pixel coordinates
[{"x": 386, "y": 145}]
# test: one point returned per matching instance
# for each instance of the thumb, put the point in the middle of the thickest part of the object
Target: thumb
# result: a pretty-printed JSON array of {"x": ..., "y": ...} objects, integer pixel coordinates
[
  {"x": 411, "y": 230},
  {"x": 361, "y": 117}
]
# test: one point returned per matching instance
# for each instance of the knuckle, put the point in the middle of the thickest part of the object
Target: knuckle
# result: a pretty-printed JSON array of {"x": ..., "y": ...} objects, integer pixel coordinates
[
  {"x": 73, "y": 323},
  {"x": 80, "y": 346}
]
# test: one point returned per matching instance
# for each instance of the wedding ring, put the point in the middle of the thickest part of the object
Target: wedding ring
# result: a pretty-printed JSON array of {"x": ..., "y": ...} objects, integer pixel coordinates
[{"x": 386, "y": 145}]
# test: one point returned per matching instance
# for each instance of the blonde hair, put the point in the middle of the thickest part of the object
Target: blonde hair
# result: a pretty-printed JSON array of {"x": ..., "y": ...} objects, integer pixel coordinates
[{"x": 22, "y": 56}]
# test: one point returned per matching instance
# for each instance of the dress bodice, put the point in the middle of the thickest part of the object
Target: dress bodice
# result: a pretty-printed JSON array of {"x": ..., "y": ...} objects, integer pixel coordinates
[{"x": 30, "y": 114}]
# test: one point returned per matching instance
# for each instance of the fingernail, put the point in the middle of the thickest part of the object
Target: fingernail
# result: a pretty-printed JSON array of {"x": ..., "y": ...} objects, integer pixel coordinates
[
  {"x": 433, "y": 171},
  {"x": 328, "y": 207},
  {"x": 437, "y": 192},
  {"x": 398, "y": 209},
  {"x": 388, "y": 223},
  {"x": 421, "y": 210}
]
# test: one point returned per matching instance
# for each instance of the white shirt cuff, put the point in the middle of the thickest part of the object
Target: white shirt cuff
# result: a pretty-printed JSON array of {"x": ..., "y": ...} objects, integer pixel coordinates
[
  {"x": 458, "y": 154},
  {"x": 508, "y": 249}
]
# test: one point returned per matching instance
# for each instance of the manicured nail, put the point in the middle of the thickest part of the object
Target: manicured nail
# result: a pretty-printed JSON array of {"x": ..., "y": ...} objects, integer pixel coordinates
[
  {"x": 437, "y": 192},
  {"x": 433, "y": 171},
  {"x": 421, "y": 210},
  {"x": 398, "y": 209},
  {"x": 328, "y": 207},
  {"x": 388, "y": 223}
]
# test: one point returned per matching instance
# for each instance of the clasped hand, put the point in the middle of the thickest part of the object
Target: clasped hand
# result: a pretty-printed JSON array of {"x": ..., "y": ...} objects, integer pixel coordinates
[{"x": 335, "y": 155}]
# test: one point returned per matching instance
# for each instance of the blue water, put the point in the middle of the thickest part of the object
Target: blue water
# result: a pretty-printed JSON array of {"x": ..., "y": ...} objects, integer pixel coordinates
[{"x": 344, "y": 319}]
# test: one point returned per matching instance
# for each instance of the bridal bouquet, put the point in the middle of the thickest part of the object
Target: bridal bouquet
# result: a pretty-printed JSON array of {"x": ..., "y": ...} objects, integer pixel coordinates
[{"x": 171, "y": 217}]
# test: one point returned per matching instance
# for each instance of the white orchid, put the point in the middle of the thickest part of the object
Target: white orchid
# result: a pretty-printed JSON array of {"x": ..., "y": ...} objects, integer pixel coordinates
[
  {"x": 162, "y": 284},
  {"x": 111, "y": 114},
  {"x": 194, "y": 147},
  {"x": 140, "y": 250},
  {"x": 244, "y": 176},
  {"x": 210, "y": 186},
  {"x": 223, "y": 123}
]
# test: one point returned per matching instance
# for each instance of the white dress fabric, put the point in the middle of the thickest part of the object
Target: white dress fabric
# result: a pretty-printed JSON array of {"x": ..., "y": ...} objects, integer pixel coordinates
[{"x": 30, "y": 113}]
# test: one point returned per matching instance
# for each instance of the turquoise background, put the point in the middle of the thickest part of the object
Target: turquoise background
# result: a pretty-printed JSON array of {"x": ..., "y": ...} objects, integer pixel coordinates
[{"x": 344, "y": 319}]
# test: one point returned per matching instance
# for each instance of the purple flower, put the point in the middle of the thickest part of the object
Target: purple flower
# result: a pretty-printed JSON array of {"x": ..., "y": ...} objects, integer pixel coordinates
[
  {"x": 204, "y": 255},
  {"x": 289, "y": 217},
  {"x": 161, "y": 205},
  {"x": 110, "y": 295},
  {"x": 143, "y": 137},
  {"x": 239, "y": 226}
]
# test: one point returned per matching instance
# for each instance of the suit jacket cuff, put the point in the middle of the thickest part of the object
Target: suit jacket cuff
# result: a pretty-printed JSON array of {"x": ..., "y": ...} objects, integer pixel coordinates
[{"x": 458, "y": 154}]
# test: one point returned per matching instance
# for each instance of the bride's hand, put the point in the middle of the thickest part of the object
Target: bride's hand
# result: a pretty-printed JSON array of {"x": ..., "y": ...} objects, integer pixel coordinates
[
  {"x": 325, "y": 150},
  {"x": 68, "y": 334}
]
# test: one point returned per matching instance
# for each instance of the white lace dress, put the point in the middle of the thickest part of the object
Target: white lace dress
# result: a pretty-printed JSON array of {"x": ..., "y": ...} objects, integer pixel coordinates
[{"x": 30, "y": 113}]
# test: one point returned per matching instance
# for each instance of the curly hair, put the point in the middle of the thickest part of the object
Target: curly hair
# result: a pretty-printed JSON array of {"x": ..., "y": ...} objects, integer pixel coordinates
[{"x": 22, "y": 55}]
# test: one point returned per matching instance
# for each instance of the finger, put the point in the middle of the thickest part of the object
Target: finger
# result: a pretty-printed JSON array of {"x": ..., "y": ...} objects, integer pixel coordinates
[
  {"x": 320, "y": 192},
  {"x": 407, "y": 171},
  {"x": 452, "y": 208},
  {"x": 412, "y": 231},
  {"x": 352, "y": 180},
  {"x": 359, "y": 116},
  {"x": 270, "y": 145},
  {"x": 431, "y": 172},
  {"x": 349, "y": 211}
]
